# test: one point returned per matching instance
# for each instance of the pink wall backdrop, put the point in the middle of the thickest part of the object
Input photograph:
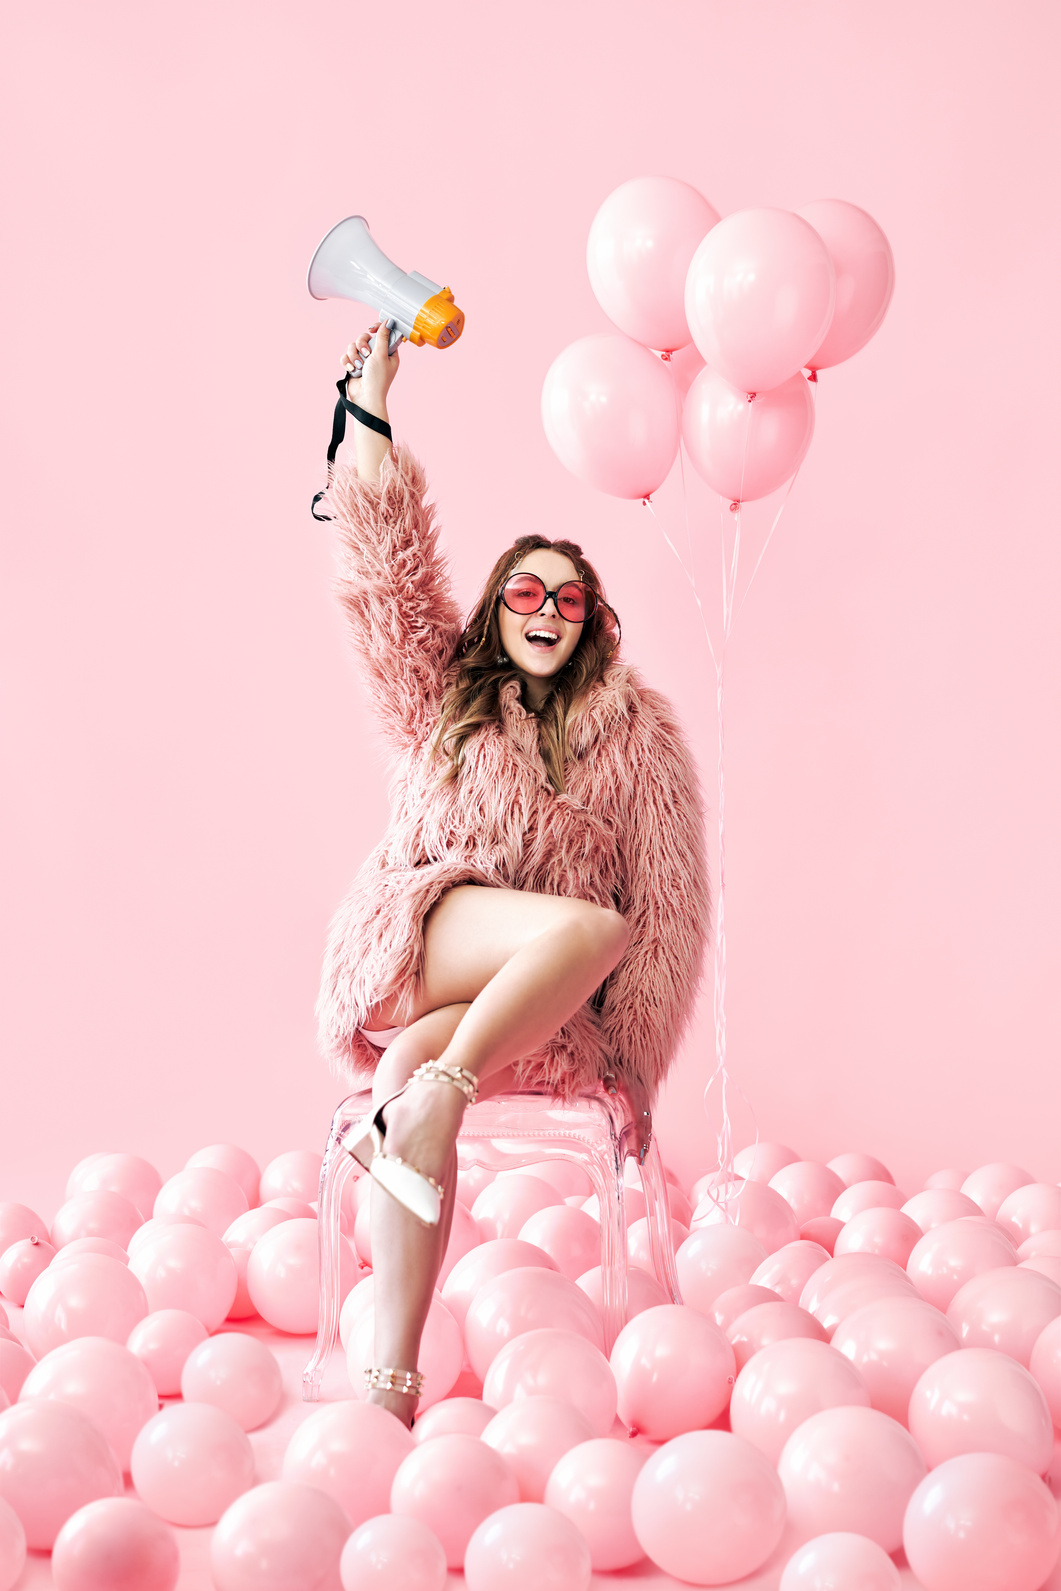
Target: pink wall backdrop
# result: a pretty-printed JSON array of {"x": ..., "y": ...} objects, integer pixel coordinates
[{"x": 191, "y": 775}]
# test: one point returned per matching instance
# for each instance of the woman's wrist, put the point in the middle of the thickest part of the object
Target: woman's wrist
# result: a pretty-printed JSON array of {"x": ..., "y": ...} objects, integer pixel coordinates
[{"x": 377, "y": 407}]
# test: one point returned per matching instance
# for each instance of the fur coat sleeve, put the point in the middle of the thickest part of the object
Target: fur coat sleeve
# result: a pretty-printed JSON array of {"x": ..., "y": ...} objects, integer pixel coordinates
[
  {"x": 666, "y": 899},
  {"x": 395, "y": 592}
]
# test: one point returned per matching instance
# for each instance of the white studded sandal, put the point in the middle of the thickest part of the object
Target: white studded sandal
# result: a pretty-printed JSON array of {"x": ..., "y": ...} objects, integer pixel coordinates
[{"x": 418, "y": 1193}]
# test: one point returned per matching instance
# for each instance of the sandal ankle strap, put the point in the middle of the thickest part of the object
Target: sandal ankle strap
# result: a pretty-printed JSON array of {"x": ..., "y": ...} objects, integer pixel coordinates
[
  {"x": 409, "y": 1382},
  {"x": 437, "y": 1072}
]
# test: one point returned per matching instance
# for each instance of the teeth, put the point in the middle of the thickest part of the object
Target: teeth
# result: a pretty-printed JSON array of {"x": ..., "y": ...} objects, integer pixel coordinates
[{"x": 541, "y": 635}]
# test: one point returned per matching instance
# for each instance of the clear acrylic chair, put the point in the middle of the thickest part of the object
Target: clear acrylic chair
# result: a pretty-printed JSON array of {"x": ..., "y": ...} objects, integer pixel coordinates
[{"x": 594, "y": 1129}]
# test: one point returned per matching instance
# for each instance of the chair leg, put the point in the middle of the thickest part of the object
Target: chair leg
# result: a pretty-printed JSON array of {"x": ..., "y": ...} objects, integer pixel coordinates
[
  {"x": 657, "y": 1208},
  {"x": 605, "y": 1171},
  {"x": 335, "y": 1172}
]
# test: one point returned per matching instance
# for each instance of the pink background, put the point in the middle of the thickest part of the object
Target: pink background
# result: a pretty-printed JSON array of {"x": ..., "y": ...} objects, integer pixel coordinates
[{"x": 191, "y": 777}]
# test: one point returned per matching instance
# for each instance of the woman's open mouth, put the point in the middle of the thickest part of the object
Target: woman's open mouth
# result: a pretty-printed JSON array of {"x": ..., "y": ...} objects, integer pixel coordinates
[{"x": 542, "y": 639}]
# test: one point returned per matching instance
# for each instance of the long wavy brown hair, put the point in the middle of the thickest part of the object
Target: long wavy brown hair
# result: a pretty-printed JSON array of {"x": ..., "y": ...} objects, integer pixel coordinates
[{"x": 479, "y": 667}]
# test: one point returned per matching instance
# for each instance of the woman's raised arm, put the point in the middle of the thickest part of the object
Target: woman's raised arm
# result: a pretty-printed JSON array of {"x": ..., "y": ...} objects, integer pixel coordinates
[{"x": 393, "y": 583}]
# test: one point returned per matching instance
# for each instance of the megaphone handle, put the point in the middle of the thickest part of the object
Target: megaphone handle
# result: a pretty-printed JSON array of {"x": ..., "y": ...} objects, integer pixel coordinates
[{"x": 396, "y": 337}]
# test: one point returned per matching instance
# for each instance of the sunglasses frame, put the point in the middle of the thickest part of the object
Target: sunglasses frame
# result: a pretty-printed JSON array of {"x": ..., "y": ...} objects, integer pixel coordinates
[{"x": 528, "y": 574}]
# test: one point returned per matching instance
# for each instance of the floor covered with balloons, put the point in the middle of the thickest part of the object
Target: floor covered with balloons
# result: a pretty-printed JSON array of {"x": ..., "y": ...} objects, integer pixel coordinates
[{"x": 861, "y": 1390}]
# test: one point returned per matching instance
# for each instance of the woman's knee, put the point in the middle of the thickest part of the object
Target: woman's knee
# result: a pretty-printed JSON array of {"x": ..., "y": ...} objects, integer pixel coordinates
[{"x": 606, "y": 930}]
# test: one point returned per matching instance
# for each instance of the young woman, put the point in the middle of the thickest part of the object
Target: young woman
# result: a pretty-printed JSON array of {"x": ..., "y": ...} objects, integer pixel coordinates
[{"x": 537, "y": 912}]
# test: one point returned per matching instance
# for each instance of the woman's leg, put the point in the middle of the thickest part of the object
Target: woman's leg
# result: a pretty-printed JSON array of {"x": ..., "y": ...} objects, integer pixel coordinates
[{"x": 503, "y": 970}]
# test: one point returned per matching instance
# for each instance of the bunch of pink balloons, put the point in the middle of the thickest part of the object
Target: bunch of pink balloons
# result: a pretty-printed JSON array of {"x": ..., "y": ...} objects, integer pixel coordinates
[{"x": 746, "y": 303}]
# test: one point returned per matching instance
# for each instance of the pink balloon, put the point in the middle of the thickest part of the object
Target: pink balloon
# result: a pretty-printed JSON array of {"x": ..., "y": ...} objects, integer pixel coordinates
[
  {"x": 91, "y": 1245},
  {"x": 673, "y": 1369},
  {"x": 204, "y": 1195},
  {"x": 1004, "y": 1309},
  {"x": 527, "y": 1547},
  {"x": 592, "y": 1485},
  {"x": 532, "y": 1435},
  {"x": 568, "y": 1177},
  {"x": 104, "y": 1381},
  {"x": 236, "y": 1373},
  {"x": 20, "y": 1265},
  {"x": 235, "y": 1162},
  {"x": 851, "y": 1469},
  {"x": 634, "y": 1206},
  {"x": 847, "y": 1282},
  {"x": 642, "y": 1290},
  {"x": 685, "y": 365},
  {"x": 553, "y": 1363},
  {"x": 439, "y": 1361},
  {"x": 641, "y": 243},
  {"x": 186, "y": 1267},
  {"x": 708, "y": 1507},
  {"x": 190, "y": 1462},
  {"x": 884, "y": 1230},
  {"x": 784, "y": 1384},
  {"x": 865, "y": 277},
  {"x": 53, "y": 1461},
  {"x": 867, "y": 1195},
  {"x": 948, "y": 1177},
  {"x": 295, "y": 1209},
  {"x": 736, "y": 1300},
  {"x": 276, "y": 1537},
  {"x": 451, "y": 1485},
  {"x": 1041, "y": 1245},
  {"x": 571, "y": 1237},
  {"x": 453, "y": 1416},
  {"x": 745, "y": 449},
  {"x": 1045, "y": 1365},
  {"x": 989, "y": 1185},
  {"x": 1029, "y": 1210},
  {"x": 16, "y": 1362},
  {"x": 12, "y": 1546},
  {"x": 810, "y": 1188},
  {"x": 134, "y": 1178},
  {"x": 293, "y": 1175},
  {"x": 759, "y": 1162},
  {"x": 525, "y": 1300},
  {"x": 247, "y": 1228},
  {"x": 952, "y": 1254},
  {"x": 977, "y": 1400},
  {"x": 891, "y": 1343},
  {"x": 115, "y": 1544},
  {"x": 753, "y": 1208},
  {"x": 823, "y": 1230},
  {"x": 283, "y": 1276},
  {"x": 1046, "y": 1265},
  {"x": 759, "y": 297},
  {"x": 18, "y": 1221},
  {"x": 934, "y": 1206},
  {"x": 507, "y": 1204},
  {"x": 482, "y": 1264},
  {"x": 639, "y": 1245},
  {"x": 96, "y": 1214},
  {"x": 787, "y": 1271},
  {"x": 393, "y": 1553},
  {"x": 857, "y": 1167},
  {"x": 610, "y": 413},
  {"x": 715, "y": 1258},
  {"x": 471, "y": 1180},
  {"x": 840, "y": 1559},
  {"x": 981, "y": 1522},
  {"x": 162, "y": 1342},
  {"x": 464, "y": 1236},
  {"x": 767, "y": 1323},
  {"x": 93, "y": 1296},
  {"x": 351, "y": 1451}
]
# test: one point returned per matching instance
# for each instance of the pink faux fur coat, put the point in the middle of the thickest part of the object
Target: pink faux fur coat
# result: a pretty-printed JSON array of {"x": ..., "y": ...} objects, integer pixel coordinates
[{"x": 627, "y": 833}]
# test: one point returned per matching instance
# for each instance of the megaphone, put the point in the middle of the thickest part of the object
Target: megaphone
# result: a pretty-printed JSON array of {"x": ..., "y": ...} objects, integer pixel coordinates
[{"x": 348, "y": 263}]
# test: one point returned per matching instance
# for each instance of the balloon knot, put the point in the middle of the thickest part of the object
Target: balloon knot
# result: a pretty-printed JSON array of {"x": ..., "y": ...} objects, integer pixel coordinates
[
  {"x": 665, "y": 356},
  {"x": 734, "y": 508},
  {"x": 752, "y": 397},
  {"x": 646, "y": 502},
  {"x": 812, "y": 375}
]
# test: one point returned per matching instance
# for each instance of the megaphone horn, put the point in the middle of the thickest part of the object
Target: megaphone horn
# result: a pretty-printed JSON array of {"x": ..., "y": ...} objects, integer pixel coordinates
[{"x": 348, "y": 263}]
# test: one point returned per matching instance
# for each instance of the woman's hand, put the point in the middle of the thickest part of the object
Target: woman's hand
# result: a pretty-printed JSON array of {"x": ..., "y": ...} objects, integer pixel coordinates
[
  {"x": 369, "y": 390},
  {"x": 639, "y": 1103}
]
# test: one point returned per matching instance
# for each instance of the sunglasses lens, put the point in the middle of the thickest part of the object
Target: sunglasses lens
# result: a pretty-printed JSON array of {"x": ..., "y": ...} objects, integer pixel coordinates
[
  {"x": 573, "y": 601},
  {"x": 524, "y": 593}
]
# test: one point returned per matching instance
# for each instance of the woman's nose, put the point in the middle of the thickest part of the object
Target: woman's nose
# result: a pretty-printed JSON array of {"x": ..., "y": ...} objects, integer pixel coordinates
[{"x": 549, "y": 608}]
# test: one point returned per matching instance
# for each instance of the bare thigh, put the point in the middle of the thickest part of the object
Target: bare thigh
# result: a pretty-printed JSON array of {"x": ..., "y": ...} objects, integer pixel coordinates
[{"x": 472, "y": 932}]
